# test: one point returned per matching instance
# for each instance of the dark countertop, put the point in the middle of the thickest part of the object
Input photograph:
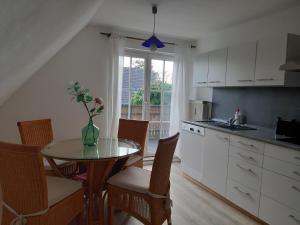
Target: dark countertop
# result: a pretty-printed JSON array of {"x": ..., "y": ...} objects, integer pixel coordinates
[{"x": 261, "y": 134}]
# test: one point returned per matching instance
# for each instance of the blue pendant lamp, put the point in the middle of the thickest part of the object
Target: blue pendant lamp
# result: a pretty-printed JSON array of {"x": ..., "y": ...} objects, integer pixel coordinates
[{"x": 153, "y": 42}]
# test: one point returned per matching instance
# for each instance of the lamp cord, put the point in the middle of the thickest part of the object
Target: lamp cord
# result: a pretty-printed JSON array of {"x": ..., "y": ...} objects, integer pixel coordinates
[{"x": 154, "y": 25}]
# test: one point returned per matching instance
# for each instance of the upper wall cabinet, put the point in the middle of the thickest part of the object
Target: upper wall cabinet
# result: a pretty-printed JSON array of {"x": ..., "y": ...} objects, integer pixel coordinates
[
  {"x": 272, "y": 52},
  {"x": 200, "y": 70},
  {"x": 241, "y": 65},
  {"x": 217, "y": 68},
  {"x": 250, "y": 64}
]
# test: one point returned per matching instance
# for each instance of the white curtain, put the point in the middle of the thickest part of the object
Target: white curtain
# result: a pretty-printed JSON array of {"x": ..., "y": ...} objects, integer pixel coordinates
[
  {"x": 114, "y": 85},
  {"x": 179, "y": 102}
]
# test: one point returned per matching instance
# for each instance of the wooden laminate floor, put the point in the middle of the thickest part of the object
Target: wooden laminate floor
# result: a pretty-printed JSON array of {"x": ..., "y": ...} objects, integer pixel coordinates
[{"x": 193, "y": 206}]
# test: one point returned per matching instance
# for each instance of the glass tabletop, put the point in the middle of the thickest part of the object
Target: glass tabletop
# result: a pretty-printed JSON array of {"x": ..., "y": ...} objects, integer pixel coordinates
[{"x": 73, "y": 149}]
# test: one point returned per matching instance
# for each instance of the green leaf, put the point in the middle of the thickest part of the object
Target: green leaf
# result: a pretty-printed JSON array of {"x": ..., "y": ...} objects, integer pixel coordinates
[
  {"x": 88, "y": 98},
  {"x": 80, "y": 98}
]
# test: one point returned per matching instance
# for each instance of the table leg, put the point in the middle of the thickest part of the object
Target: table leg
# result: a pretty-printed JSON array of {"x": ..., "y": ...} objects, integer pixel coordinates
[
  {"x": 90, "y": 177},
  {"x": 97, "y": 173}
]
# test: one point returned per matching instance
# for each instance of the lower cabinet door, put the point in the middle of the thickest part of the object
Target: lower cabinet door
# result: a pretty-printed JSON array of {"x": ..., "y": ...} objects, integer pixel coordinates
[
  {"x": 215, "y": 160},
  {"x": 274, "y": 213},
  {"x": 244, "y": 197}
]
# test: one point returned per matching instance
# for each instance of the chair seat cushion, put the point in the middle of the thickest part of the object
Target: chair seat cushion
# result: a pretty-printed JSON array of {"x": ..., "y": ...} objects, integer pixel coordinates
[
  {"x": 59, "y": 163},
  {"x": 133, "y": 159},
  {"x": 132, "y": 178},
  {"x": 60, "y": 188}
]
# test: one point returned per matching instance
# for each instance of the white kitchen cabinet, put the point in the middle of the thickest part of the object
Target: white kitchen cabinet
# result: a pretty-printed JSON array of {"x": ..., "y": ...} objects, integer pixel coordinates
[
  {"x": 282, "y": 189},
  {"x": 283, "y": 154},
  {"x": 200, "y": 70},
  {"x": 277, "y": 214},
  {"x": 191, "y": 144},
  {"x": 245, "y": 155},
  {"x": 271, "y": 53},
  {"x": 245, "y": 173},
  {"x": 282, "y": 168},
  {"x": 243, "y": 196},
  {"x": 217, "y": 68},
  {"x": 241, "y": 65},
  {"x": 215, "y": 160}
]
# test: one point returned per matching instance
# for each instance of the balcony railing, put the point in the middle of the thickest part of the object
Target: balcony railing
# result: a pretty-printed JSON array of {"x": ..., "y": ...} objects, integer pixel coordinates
[{"x": 157, "y": 128}]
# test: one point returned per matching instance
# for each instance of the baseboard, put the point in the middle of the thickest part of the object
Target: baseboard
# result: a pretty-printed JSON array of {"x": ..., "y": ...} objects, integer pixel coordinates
[{"x": 228, "y": 202}]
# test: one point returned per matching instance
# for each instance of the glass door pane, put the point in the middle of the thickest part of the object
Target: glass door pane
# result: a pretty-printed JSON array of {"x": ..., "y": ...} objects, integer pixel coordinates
[
  {"x": 160, "y": 101},
  {"x": 166, "y": 98},
  {"x": 133, "y": 88}
]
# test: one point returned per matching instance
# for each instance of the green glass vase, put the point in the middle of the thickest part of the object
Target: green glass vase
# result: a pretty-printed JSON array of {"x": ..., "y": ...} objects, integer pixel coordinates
[{"x": 90, "y": 134}]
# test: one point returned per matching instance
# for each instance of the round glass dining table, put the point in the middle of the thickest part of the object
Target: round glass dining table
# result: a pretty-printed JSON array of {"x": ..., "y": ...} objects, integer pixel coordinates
[{"x": 98, "y": 160}]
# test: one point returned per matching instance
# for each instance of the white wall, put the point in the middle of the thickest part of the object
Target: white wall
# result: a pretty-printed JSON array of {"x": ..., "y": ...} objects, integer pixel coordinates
[
  {"x": 287, "y": 21},
  {"x": 32, "y": 31},
  {"x": 45, "y": 96}
]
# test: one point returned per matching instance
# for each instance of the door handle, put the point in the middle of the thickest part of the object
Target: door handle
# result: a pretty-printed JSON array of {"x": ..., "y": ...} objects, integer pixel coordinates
[
  {"x": 249, "y": 145},
  {"x": 242, "y": 192},
  {"x": 246, "y": 157},
  {"x": 246, "y": 169},
  {"x": 244, "y": 80},
  {"x": 265, "y": 79}
]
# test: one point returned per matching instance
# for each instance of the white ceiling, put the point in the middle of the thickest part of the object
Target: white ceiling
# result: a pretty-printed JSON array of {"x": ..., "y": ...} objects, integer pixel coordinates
[{"x": 188, "y": 19}]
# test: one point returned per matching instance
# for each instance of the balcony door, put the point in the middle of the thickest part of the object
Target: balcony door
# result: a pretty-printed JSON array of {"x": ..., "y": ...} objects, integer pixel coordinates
[{"x": 146, "y": 92}]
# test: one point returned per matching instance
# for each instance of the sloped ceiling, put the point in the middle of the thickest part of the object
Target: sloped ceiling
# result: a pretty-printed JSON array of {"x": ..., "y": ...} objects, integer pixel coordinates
[
  {"x": 186, "y": 19},
  {"x": 32, "y": 31}
]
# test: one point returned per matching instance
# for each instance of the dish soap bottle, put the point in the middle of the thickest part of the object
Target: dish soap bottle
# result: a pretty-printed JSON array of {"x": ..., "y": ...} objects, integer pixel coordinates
[{"x": 237, "y": 117}]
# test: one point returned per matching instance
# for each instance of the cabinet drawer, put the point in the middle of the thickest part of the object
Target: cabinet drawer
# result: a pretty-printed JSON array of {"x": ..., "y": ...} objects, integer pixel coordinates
[
  {"x": 274, "y": 213},
  {"x": 245, "y": 173},
  {"x": 245, "y": 155},
  {"x": 281, "y": 167},
  {"x": 281, "y": 189},
  {"x": 284, "y": 154},
  {"x": 246, "y": 198},
  {"x": 248, "y": 144}
]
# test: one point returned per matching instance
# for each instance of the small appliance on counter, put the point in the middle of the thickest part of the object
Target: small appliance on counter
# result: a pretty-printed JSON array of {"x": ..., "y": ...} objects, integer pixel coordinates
[
  {"x": 199, "y": 110},
  {"x": 288, "y": 131}
]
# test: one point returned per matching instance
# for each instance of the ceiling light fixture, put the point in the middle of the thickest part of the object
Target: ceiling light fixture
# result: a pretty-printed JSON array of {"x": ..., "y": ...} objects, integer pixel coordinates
[{"x": 153, "y": 42}]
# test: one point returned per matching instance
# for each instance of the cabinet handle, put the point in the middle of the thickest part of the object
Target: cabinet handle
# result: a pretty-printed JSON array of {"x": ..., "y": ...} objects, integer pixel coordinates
[
  {"x": 295, "y": 188},
  {"x": 242, "y": 192},
  {"x": 244, "y": 80},
  {"x": 214, "y": 81},
  {"x": 222, "y": 138},
  {"x": 246, "y": 157},
  {"x": 201, "y": 82},
  {"x": 297, "y": 157},
  {"x": 265, "y": 79},
  {"x": 296, "y": 173},
  {"x": 245, "y": 169},
  {"x": 249, "y": 145},
  {"x": 294, "y": 218}
]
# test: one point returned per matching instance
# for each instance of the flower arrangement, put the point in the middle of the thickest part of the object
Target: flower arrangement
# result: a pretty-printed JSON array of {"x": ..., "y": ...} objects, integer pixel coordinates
[
  {"x": 82, "y": 95},
  {"x": 93, "y": 106}
]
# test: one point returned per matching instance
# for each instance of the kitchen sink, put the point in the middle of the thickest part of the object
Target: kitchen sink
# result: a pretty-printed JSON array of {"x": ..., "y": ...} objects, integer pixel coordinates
[{"x": 228, "y": 126}]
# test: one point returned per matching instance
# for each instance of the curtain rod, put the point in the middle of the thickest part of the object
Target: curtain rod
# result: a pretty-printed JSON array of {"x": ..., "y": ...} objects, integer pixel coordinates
[{"x": 141, "y": 39}]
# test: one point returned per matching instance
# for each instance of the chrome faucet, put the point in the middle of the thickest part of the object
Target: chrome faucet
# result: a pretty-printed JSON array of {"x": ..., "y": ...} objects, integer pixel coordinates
[{"x": 231, "y": 121}]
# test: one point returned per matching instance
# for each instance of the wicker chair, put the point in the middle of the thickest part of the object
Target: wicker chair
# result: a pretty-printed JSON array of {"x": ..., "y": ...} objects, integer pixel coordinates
[
  {"x": 144, "y": 194},
  {"x": 135, "y": 130},
  {"x": 39, "y": 132},
  {"x": 29, "y": 195}
]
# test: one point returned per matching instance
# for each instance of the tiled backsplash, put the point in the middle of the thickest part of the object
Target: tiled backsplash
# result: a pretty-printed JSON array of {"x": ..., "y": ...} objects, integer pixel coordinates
[{"x": 260, "y": 105}]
